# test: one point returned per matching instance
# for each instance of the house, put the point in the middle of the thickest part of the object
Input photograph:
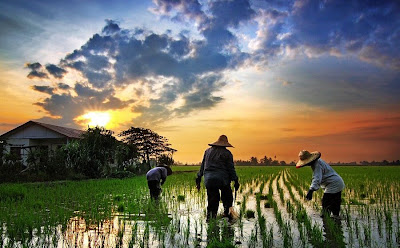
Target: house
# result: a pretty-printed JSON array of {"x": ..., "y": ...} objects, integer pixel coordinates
[{"x": 36, "y": 135}]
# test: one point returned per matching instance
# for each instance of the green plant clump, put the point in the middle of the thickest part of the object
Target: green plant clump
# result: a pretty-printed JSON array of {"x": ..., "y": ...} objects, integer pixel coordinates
[
  {"x": 249, "y": 214},
  {"x": 267, "y": 205}
]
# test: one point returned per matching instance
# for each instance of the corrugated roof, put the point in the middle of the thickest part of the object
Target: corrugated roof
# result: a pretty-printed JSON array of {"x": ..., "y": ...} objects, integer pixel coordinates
[{"x": 68, "y": 132}]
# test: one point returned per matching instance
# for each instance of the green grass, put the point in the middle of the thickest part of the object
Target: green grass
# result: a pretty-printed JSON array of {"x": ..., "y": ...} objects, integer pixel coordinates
[{"x": 35, "y": 209}]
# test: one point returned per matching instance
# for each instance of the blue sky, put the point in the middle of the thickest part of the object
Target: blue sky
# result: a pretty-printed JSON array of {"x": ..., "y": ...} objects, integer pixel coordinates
[{"x": 163, "y": 64}]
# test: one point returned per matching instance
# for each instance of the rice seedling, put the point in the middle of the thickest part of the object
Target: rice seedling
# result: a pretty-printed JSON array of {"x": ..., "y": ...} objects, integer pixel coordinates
[
  {"x": 119, "y": 213},
  {"x": 249, "y": 214},
  {"x": 181, "y": 198}
]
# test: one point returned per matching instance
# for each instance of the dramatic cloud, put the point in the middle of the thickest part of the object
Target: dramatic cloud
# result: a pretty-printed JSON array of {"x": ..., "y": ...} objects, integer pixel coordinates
[
  {"x": 369, "y": 30},
  {"x": 173, "y": 74},
  {"x": 43, "y": 89},
  {"x": 177, "y": 10},
  {"x": 182, "y": 74},
  {"x": 63, "y": 86},
  {"x": 36, "y": 70},
  {"x": 231, "y": 13},
  {"x": 56, "y": 71}
]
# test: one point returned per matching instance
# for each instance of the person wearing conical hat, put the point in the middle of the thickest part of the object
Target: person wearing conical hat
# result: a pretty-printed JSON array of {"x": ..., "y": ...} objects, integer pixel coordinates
[
  {"x": 157, "y": 177},
  {"x": 325, "y": 177},
  {"x": 219, "y": 171}
]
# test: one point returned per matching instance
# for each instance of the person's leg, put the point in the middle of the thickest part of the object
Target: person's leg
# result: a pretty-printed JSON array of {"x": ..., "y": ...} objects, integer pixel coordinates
[
  {"x": 213, "y": 198},
  {"x": 336, "y": 201},
  {"x": 326, "y": 204},
  {"x": 154, "y": 187},
  {"x": 227, "y": 198},
  {"x": 331, "y": 203}
]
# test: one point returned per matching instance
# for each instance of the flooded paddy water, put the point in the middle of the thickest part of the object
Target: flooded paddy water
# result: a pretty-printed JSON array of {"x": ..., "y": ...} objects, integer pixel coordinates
[{"x": 270, "y": 204}]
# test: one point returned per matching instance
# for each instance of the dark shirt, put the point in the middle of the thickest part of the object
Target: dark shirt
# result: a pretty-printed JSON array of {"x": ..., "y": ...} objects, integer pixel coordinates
[{"x": 217, "y": 167}]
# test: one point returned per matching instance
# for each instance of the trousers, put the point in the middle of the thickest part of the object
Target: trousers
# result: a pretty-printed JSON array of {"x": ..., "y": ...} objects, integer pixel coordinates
[
  {"x": 331, "y": 203},
  {"x": 214, "y": 195},
  {"x": 155, "y": 189}
]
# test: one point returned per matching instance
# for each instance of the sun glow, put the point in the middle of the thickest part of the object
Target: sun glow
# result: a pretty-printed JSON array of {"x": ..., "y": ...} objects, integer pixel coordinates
[{"x": 100, "y": 119}]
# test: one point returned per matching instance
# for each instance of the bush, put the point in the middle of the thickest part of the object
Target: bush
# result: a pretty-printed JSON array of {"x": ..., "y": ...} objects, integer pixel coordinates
[
  {"x": 10, "y": 168},
  {"x": 121, "y": 174}
]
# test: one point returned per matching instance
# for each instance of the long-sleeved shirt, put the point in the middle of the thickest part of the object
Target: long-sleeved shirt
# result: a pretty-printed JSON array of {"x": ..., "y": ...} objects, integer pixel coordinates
[
  {"x": 217, "y": 166},
  {"x": 325, "y": 177},
  {"x": 157, "y": 174}
]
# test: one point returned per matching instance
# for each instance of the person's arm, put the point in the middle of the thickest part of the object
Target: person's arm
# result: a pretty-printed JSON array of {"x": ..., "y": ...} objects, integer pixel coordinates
[
  {"x": 200, "y": 173},
  {"x": 231, "y": 170},
  {"x": 317, "y": 177},
  {"x": 231, "y": 167},
  {"x": 316, "y": 180}
]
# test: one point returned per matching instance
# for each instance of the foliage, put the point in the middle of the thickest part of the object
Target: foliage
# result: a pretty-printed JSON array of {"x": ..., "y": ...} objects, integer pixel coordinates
[
  {"x": 96, "y": 154},
  {"x": 125, "y": 155},
  {"x": 97, "y": 148},
  {"x": 148, "y": 143},
  {"x": 10, "y": 167},
  {"x": 166, "y": 159}
]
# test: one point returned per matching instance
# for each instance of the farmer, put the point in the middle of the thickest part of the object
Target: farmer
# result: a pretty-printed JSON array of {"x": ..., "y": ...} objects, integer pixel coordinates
[
  {"x": 323, "y": 176},
  {"x": 155, "y": 178},
  {"x": 218, "y": 170}
]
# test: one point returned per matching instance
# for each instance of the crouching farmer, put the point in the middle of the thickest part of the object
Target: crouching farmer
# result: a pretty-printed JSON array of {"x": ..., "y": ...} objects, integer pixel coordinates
[
  {"x": 323, "y": 176},
  {"x": 157, "y": 177},
  {"x": 218, "y": 170}
]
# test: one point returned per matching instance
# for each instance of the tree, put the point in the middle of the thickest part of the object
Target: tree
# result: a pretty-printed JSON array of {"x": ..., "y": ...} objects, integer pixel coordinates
[
  {"x": 148, "y": 143},
  {"x": 266, "y": 161},
  {"x": 96, "y": 152},
  {"x": 166, "y": 159},
  {"x": 254, "y": 160}
]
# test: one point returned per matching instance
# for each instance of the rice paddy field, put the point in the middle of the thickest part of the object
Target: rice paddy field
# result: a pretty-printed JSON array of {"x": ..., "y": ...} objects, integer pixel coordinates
[{"x": 270, "y": 205}]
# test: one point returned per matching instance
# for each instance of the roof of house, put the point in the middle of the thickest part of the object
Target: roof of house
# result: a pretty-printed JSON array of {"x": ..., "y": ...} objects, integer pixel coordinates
[{"x": 67, "y": 132}]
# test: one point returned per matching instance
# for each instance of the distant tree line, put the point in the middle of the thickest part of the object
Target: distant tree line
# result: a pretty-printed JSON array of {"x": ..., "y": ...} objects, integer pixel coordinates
[
  {"x": 97, "y": 154},
  {"x": 374, "y": 163},
  {"x": 269, "y": 161},
  {"x": 265, "y": 161}
]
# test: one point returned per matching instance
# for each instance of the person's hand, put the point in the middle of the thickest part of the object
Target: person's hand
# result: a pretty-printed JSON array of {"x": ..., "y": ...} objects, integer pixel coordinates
[
  {"x": 198, "y": 181},
  {"x": 236, "y": 185},
  {"x": 309, "y": 194}
]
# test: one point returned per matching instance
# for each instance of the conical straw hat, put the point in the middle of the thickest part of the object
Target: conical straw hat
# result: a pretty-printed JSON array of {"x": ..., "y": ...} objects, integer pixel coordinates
[
  {"x": 306, "y": 157},
  {"x": 222, "y": 141}
]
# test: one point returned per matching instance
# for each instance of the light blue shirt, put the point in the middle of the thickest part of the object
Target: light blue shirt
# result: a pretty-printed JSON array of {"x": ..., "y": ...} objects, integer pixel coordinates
[{"x": 325, "y": 177}]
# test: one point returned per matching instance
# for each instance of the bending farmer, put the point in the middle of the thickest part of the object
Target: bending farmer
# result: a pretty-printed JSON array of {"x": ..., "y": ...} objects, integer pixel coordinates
[
  {"x": 218, "y": 170},
  {"x": 155, "y": 178},
  {"x": 323, "y": 176}
]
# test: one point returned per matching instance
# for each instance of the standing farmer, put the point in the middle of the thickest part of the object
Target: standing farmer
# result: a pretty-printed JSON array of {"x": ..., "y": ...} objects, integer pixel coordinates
[
  {"x": 155, "y": 178},
  {"x": 218, "y": 170},
  {"x": 323, "y": 176}
]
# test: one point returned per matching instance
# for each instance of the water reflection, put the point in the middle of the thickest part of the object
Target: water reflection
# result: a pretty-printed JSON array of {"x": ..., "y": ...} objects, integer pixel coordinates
[
  {"x": 107, "y": 233},
  {"x": 121, "y": 231}
]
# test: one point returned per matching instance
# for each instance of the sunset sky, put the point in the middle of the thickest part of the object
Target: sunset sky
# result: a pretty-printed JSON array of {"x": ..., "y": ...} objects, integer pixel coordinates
[{"x": 275, "y": 76}]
